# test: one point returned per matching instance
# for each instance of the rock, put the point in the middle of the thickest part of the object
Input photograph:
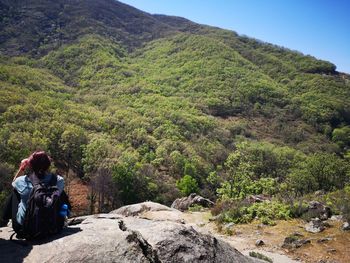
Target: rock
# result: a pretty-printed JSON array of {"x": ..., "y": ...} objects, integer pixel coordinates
[
  {"x": 336, "y": 218},
  {"x": 259, "y": 243},
  {"x": 331, "y": 250},
  {"x": 77, "y": 220},
  {"x": 184, "y": 203},
  {"x": 257, "y": 199},
  {"x": 152, "y": 211},
  {"x": 346, "y": 226},
  {"x": 325, "y": 239},
  {"x": 228, "y": 228},
  {"x": 118, "y": 238},
  {"x": 294, "y": 242},
  {"x": 214, "y": 218},
  {"x": 137, "y": 209},
  {"x": 229, "y": 225},
  {"x": 315, "y": 226},
  {"x": 327, "y": 261},
  {"x": 319, "y": 210},
  {"x": 297, "y": 234}
]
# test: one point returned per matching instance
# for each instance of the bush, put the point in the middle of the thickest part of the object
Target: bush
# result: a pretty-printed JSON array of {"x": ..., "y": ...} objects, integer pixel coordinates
[
  {"x": 260, "y": 256},
  {"x": 195, "y": 208},
  {"x": 221, "y": 206},
  {"x": 298, "y": 208},
  {"x": 187, "y": 185},
  {"x": 339, "y": 201},
  {"x": 241, "y": 212}
]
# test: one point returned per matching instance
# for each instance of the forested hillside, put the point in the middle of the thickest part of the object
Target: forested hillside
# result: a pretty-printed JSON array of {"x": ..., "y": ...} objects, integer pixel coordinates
[{"x": 151, "y": 107}]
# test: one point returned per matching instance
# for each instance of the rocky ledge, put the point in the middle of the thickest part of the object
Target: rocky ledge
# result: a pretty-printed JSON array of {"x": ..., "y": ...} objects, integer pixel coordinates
[{"x": 146, "y": 232}]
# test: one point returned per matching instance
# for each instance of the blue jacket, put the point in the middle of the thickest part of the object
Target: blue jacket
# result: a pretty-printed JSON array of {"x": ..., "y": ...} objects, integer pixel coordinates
[{"x": 23, "y": 186}]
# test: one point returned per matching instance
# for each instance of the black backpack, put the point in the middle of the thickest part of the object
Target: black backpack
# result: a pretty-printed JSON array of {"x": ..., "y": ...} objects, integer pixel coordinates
[{"x": 42, "y": 215}]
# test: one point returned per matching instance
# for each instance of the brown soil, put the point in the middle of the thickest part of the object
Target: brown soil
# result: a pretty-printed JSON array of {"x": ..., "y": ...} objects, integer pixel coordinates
[
  {"x": 78, "y": 193},
  {"x": 336, "y": 249}
]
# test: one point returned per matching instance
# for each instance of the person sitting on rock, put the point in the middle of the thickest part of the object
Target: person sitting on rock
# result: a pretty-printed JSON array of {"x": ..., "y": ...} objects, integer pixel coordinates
[{"x": 37, "y": 198}]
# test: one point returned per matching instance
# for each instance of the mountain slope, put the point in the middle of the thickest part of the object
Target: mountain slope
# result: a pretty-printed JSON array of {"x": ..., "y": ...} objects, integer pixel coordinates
[
  {"x": 135, "y": 102},
  {"x": 38, "y": 26}
]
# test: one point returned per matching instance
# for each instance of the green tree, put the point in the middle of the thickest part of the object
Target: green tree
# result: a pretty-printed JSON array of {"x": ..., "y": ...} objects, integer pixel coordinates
[
  {"x": 132, "y": 186},
  {"x": 237, "y": 177},
  {"x": 341, "y": 136},
  {"x": 71, "y": 148},
  {"x": 320, "y": 171},
  {"x": 329, "y": 171},
  {"x": 99, "y": 158},
  {"x": 187, "y": 185}
]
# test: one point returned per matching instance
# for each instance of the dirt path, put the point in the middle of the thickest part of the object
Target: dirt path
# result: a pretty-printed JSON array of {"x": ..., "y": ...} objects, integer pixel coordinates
[{"x": 243, "y": 238}]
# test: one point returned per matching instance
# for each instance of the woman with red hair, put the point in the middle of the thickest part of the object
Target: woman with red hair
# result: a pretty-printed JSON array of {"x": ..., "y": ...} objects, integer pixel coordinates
[{"x": 37, "y": 165}]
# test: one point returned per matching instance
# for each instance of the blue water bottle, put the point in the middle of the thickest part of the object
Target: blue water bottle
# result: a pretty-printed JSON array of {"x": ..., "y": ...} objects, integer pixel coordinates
[{"x": 64, "y": 210}]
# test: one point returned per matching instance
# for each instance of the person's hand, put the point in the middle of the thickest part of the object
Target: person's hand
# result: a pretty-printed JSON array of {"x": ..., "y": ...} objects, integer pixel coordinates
[{"x": 24, "y": 164}]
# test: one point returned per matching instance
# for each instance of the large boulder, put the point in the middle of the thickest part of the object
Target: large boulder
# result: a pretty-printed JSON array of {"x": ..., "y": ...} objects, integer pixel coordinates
[
  {"x": 117, "y": 238},
  {"x": 184, "y": 203},
  {"x": 138, "y": 209}
]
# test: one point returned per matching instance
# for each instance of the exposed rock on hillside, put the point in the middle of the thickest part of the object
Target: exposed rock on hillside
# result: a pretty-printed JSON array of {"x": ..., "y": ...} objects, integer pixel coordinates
[
  {"x": 315, "y": 226},
  {"x": 319, "y": 210},
  {"x": 117, "y": 238},
  {"x": 184, "y": 203},
  {"x": 346, "y": 226},
  {"x": 294, "y": 241}
]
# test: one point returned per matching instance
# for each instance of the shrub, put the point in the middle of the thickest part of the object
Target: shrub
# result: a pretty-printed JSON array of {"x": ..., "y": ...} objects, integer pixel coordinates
[
  {"x": 187, "y": 185},
  {"x": 339, "y": 201},
  {"x": 260, "y": 256},
  {"x": 195, "y": 208},
  {"x": 266, "y": 212},
  {"x": 298, "y": 208}
]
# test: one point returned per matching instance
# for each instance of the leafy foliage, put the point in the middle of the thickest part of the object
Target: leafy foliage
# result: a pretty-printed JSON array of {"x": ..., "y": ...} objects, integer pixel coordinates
[
  {"x": 265, "y": 212},
  {"x": 187, "y": 185},
  {"x": 154, "y": 107}
]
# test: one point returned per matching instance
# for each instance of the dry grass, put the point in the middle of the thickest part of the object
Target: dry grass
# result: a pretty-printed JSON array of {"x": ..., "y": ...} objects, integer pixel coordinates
[{"x": 336, "y": 249}]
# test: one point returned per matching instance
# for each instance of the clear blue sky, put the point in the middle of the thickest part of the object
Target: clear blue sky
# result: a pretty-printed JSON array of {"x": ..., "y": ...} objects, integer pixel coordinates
[{"x": 320, "y": 28}]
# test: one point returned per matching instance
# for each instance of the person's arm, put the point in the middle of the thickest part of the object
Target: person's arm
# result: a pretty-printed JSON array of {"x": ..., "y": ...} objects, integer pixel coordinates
[{"x": 22, "y": 167}]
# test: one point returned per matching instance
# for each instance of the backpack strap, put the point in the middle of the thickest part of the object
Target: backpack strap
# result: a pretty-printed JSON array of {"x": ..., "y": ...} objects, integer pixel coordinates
[
  {"x": 53, "y": 180},
  {"x": 35, "y": 180}
]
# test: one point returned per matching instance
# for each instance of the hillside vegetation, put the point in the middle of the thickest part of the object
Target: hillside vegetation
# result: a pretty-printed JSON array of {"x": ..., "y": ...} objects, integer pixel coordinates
[{"x": 149, "y": 107}]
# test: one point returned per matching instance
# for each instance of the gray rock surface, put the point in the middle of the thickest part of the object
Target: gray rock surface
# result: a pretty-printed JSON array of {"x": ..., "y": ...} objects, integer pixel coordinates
[
  {"x": 259, "y": 243},
  {"x": 137, "y": 209},
  {"x": 292, "y": 241},
  {"x": 324, "y": 240},
  {"x": 346, "y": 226},
  {"x": 257, "y": 199},
  {"x": 117, "y": 238},
  {"x": 184, "y": 203},
  {"x": 336, "y": 218},
  {"x": 315, "y": 226}
]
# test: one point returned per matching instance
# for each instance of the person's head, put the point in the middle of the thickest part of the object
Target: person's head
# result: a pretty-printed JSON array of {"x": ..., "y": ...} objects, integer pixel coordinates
[{"x": 39, "y": 162}]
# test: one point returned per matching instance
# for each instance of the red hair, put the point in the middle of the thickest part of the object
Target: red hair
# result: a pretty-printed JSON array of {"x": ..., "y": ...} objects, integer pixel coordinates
[{"x": 40, "y": 162}]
